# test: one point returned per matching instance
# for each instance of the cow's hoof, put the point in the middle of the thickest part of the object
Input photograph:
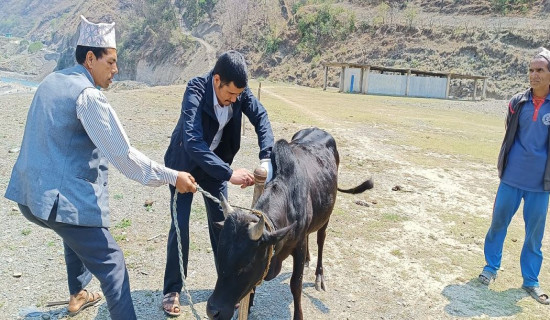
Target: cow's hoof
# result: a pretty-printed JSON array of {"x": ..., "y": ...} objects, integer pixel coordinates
[{"x": 320, "y": 283}]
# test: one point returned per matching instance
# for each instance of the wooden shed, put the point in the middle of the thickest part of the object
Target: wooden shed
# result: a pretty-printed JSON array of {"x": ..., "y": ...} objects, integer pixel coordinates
[{"x": 369, "y": 79}]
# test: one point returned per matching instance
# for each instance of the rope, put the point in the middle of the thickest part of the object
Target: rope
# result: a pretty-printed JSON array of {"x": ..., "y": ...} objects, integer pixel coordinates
[
  {"x": 255, "y": 212},
  {"x": 207, "y": 194},
  {"x": 180, "y": 255}
]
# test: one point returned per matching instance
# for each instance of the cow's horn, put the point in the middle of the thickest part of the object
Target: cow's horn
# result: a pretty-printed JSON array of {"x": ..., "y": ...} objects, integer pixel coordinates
[
  {"x": 226, "y": 207},
  {"x": 256, "y": 230}
]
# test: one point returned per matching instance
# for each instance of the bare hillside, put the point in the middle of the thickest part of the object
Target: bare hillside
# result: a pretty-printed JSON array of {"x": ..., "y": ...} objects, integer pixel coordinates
[{"x": 164, "y": 42}]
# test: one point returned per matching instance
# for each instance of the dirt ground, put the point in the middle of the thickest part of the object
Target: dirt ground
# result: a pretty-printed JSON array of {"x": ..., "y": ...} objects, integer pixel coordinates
[{"x": 411, "y": 248}]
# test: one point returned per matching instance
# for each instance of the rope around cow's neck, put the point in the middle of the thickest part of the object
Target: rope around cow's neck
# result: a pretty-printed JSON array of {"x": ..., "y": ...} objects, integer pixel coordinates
[
  {"x": 180, "y": 255},
  {"x": 258, "y": 213}
]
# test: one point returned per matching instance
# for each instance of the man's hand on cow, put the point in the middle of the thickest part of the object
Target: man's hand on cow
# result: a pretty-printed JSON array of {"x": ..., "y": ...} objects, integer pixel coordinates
[
  {"x": 242, "y": 177},
  {"x": 185, "y": 183}
]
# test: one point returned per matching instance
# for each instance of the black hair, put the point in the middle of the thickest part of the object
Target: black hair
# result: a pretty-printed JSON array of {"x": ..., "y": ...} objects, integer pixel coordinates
[
  {"x": 81, "y": 51},
  {"x": 545, "y": 58},
  {"x": 231, "y": 67}
]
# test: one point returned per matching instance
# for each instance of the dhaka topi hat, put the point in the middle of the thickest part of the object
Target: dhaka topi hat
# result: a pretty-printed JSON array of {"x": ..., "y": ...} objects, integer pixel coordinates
[{"x": 99, "y": 35}]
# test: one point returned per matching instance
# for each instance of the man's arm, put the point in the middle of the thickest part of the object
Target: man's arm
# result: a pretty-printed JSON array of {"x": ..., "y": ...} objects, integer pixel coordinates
[
  {"x": 106, "y": 132},
  {"x": 257, "y": 115}
]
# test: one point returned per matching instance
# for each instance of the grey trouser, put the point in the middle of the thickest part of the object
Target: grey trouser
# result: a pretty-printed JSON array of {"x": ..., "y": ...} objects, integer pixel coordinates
[{"x": 92, "y": 251}]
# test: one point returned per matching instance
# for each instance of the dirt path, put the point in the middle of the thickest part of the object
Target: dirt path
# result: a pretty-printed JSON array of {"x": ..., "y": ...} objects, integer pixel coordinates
[{"x": 204, "y": 58}]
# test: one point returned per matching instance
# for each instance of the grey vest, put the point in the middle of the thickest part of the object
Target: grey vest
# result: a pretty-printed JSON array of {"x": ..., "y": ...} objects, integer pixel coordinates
[{"x": 57, "y": 159}]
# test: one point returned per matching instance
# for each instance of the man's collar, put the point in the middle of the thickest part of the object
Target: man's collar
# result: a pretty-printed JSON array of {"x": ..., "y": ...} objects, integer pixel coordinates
[
  {"x": 215, "y": 101},
  {"x": 87, "y": 73}
]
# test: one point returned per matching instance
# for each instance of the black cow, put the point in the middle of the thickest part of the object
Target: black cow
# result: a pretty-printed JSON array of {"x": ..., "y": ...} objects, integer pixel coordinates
[{"x": 297, "y": 202}]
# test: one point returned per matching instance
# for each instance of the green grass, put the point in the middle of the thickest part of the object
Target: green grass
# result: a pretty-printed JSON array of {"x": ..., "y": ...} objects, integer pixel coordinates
[
  {"x": 123, "y": 224},
  {"x": 394, "y": 217},
  {"x": 119, "y": 237},
  {"x": 397, "y": 253},
  {"x": 26, "y": 232}
]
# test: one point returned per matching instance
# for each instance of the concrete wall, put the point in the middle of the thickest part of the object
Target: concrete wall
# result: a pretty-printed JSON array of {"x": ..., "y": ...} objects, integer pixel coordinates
[
  {"x": 429, "y": 87},
  {"x": 394, "y": 84},
  {"x": 356, "y": 73},
  {"x": 390, "y": 84}
]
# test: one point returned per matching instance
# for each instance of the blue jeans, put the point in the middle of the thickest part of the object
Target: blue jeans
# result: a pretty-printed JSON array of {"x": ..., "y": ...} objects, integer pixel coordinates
[
  {"x": 535, "y": 207},
  {"x": 92, "y": 250}
]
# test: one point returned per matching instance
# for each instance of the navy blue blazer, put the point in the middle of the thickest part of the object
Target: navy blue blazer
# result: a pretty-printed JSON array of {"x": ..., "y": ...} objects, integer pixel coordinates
[{"x": 198, "y": 124}]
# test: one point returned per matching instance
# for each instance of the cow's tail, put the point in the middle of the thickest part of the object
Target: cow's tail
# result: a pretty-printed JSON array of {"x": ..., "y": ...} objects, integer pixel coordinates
[{"x": 369, "y": 184}]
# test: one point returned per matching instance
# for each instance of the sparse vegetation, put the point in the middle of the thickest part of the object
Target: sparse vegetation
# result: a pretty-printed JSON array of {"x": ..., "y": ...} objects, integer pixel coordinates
[
  {"x": 506, "y": 6},
  {"x": 316, "y": 29},
  {"x": 377, "y": 32},
  {"x": 35, "y": 47},
  {"x": 195, "y": 10},
  {"x": 123, "y": 224}
]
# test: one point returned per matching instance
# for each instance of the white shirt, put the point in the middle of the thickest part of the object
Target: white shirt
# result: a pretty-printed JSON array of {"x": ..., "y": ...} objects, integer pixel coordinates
[
  {"x": 223, "y": 114},
  {"x": 106, "y": 132}
]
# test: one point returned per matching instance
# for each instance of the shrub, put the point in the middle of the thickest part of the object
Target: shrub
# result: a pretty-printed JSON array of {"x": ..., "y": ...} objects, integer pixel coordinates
[
  {"x": 325, "y": 24},
  {"x": 35, "y": 47}
]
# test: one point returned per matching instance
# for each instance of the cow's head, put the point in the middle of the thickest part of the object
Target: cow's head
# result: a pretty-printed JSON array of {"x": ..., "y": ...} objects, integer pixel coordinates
[{"x": 242, "y": 258}]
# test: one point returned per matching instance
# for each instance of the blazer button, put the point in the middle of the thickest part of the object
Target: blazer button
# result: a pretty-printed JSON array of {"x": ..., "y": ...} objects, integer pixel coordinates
[{"x": 104, "y": 184}]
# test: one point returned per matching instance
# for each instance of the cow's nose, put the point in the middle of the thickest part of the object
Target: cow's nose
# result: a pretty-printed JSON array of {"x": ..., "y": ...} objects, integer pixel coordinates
[{"x": 212, "y": 312}]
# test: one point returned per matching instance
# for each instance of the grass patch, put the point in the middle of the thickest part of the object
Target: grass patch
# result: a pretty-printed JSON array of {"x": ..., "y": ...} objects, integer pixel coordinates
[
  {"x": 26, "y": 232},
  {"x": 393, "y": 217},
  {"x": 123, "y": 224},
  {"x": 198, "y": 213},
  {"x": 397, "y": 253},
  {"x": 193, "y": 246},
  {"x": 338, "y": 211}
]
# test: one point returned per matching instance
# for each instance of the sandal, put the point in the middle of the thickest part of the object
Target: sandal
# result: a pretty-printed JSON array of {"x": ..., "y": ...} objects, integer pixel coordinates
[
  {"x": 171, "y": 304},
  {"x": 91, "y": 299},
  {"x": 537, "y": 294},
  {"x": 487, "y": 277}
]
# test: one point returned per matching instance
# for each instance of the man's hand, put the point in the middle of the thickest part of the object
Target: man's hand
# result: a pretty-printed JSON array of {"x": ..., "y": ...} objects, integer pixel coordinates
[
  {"x": 185, "y": 182},
  {"x": 242, "y": 177}
]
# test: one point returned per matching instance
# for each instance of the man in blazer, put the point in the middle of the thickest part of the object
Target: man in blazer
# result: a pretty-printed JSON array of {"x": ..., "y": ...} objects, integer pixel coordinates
[{"x": 204, "y": 142}]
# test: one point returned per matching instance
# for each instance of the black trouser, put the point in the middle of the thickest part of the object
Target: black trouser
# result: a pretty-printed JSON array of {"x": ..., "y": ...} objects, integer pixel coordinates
[{"x": 172, "y": 274}]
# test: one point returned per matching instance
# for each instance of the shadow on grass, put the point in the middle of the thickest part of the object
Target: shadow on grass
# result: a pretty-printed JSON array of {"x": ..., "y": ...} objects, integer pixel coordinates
[{"x": 472, "y": 299}]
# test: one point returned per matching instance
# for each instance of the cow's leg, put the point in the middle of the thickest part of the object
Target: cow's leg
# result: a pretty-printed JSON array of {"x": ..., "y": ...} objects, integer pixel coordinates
[
  {"x": 298, "y": 255},
  {"x": 308, "y": 257},
  {"x": 319, "y": 277},
  {"x": 251, "y": 302}
]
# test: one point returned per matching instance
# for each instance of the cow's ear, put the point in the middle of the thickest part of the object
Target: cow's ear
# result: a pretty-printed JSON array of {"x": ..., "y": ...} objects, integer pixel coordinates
[
  {"x": 278, "y": 235},
  {"x": 219, "y": 224}
]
